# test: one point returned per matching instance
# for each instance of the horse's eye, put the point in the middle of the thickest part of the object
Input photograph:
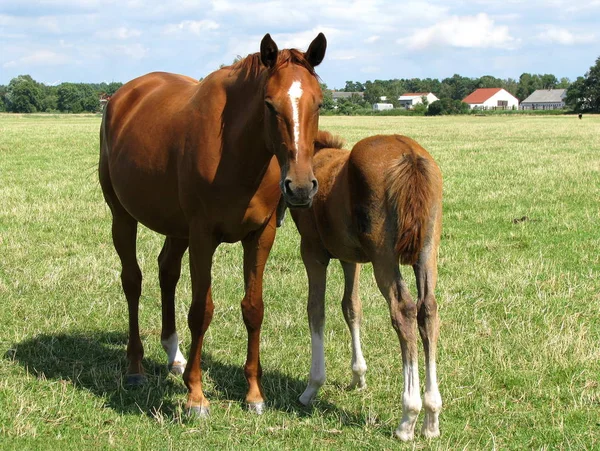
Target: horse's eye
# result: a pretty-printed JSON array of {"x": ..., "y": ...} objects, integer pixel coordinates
[
  {"x": 319, "y": 106},
  {"x": 271, "y": 107}
]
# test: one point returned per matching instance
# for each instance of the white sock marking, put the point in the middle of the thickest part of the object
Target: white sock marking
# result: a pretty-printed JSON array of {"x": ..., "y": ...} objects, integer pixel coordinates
[
  {"x": 359, "y": 366},
  {"x": 295, "y": 92},
  {"x": 171, "y": 347},
  {"x": 432, "y": 401},
  {"x": 411, "y": 402},
  {"x": 317, "y": 368}
]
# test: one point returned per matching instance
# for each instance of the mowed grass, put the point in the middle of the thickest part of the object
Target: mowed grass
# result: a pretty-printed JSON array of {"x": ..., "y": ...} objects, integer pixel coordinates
[{"x": 519, "y": 358}]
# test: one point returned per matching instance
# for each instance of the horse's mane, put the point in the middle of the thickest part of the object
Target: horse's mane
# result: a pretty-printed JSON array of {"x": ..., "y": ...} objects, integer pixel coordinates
[
  {"x": 326, "y": 140},
  {"x": 252, "y": 65}
]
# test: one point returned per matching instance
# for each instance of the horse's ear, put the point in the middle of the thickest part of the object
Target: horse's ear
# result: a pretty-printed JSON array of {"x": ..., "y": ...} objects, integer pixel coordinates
[
  {"x": 268, "y": 51},
  {"x": 316, "y": 51}
]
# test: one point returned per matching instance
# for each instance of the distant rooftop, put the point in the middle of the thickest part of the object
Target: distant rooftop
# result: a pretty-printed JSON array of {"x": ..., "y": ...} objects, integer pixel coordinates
[
  {"x": 546, "y": 96},
  {"x": 481, "y": 95}
]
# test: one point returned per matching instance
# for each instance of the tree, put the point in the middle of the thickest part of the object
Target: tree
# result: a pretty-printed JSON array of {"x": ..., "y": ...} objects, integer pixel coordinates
[
  {"x": 3, "y": 90},
  {"x": 548, "y": 81},
  {"x": 563, "y": 83},
  {"x": 328, "y": 103},
  {"x": 77, "y": 98},
  {"x": 591, "y": 88},
  {"x": 575, "y": 95},
  {"x": 23, "y": 95},
  {"x": 353, "y": 86}
]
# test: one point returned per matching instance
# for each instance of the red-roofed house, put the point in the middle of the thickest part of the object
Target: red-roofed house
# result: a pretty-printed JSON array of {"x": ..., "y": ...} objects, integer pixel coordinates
[
  {"x": 492, "y": 98},
  {"x": 410, "y": 99}
]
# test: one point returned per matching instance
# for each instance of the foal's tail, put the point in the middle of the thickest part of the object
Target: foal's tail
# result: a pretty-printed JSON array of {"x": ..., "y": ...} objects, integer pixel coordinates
[{"x": 413, "y": 184}]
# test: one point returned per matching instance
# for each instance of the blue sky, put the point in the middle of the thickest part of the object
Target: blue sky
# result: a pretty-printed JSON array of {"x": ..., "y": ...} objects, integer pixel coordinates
[{"x": 116, "y": 40}]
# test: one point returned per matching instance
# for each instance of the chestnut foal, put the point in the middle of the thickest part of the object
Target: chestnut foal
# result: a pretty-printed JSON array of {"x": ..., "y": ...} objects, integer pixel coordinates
[{"x": 379, "y": 203}]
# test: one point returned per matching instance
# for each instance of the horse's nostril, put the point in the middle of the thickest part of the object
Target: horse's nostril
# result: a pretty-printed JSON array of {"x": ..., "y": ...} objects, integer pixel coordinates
[
  {"x": 287, "y": 186},
  {"x": 315, "y": 185}
]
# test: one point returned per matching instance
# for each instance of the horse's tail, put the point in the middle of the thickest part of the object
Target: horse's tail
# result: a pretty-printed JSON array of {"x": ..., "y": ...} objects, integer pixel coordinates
[{"x": 412, "y": 186}]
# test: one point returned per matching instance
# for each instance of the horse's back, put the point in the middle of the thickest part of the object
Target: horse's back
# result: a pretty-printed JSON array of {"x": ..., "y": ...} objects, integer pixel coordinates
[{"x": 141, "y": 143}]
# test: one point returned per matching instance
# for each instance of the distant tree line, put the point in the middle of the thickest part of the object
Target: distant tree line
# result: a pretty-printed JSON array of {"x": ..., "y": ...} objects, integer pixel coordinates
[{"x": 25, "y": 95}]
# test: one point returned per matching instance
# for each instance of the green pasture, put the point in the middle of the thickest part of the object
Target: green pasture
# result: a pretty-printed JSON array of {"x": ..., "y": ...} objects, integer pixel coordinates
[{"x": 519, "y": 296}]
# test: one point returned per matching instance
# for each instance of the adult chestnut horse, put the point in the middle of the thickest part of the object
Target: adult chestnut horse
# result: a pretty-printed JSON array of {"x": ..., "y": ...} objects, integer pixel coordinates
[
  {"x": 379, "y": 203},
  {"x": 205, "y": 163}
]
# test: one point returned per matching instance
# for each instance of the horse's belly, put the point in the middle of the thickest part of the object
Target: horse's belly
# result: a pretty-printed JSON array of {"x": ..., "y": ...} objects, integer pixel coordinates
[{"x": 152, "y": 199}]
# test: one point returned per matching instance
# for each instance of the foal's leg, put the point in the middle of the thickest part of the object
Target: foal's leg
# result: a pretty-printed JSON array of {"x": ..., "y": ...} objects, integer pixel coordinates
[
  {"x": 403, "y": 311},
  {"x": 426, "y": 276},
  {"x": 351, "y": 306},
  {"x": 315, "y": 262},
  {"x": 256, "y": 250},
  {"x": 124, "y": 234},
  {"x": 169, "y": 270},
  {"x": 202, "y": 248}
]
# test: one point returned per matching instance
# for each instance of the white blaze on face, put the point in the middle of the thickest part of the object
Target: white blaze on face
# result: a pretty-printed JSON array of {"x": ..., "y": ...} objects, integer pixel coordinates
[{"x": 295, "y": 92}]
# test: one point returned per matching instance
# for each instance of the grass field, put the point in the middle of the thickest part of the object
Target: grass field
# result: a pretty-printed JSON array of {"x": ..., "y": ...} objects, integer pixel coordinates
[{"x": 519, "y": 360}]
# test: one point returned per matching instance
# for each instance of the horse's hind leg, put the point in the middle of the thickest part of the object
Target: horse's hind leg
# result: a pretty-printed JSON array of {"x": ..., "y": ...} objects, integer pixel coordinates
[
  {"x": 427, "y": 316},
  {"x": 351, "y": 306},
  {"x": 169, "y": 267},
  {"x": 403, "y": 312},
  {"x": 124, "y": 234},
  {"x": 315, "y": 261}
]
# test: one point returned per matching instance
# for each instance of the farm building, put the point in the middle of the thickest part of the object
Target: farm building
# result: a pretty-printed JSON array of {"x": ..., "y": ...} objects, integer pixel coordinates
[
  {"x": 410, "y": 99},
  {"x": 382, "y": 106},
  {"x": 491, "y": 99},
  {"x": 336, "y": 95},
  {"x": 545, "y": 99}
]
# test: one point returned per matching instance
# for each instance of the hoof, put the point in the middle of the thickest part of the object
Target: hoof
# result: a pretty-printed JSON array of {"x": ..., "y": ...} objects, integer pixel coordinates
[
  {"x": 404, "y": 435},
  {"x": 430, "y": 433},
  {"x": 135, "y": 380},
  {"x": 198, "y": 412},
  {"x": 256, "y": 407},
  {"x": 177, "y": 368}
]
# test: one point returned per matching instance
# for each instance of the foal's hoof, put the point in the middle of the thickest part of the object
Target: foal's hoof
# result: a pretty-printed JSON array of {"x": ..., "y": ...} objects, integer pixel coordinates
[
  {"x": 256, "y": 407},
  {"x": 198, "y": 412},
  {"x": 135, "y": 380},
  {"x": 405, "y": 436},
  {"x": 177, "y": 368}
]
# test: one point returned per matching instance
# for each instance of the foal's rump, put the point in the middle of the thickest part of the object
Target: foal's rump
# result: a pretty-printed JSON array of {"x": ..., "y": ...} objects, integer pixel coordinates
[{"x": 404, "y": 179}]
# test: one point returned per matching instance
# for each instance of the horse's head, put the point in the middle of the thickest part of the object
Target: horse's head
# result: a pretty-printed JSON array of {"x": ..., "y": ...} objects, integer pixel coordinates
[{"x": 292, "y": 101}]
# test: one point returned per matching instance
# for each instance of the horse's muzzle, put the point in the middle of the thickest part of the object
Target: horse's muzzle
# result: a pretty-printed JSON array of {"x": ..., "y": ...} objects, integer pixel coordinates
[{"x": 299, "y": 196}]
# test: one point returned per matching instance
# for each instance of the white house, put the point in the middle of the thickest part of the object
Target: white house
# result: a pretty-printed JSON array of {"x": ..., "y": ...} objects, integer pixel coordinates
[
  {"x": 410, "y": 99},
  {"x": 491, "y": 99},
  {"x": 382, "y": 106},
  {"x": 545, "y": 99}
]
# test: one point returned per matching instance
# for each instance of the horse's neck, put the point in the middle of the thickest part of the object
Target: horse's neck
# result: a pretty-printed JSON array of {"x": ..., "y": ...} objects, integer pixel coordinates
[{"x": 245, "y": 139}]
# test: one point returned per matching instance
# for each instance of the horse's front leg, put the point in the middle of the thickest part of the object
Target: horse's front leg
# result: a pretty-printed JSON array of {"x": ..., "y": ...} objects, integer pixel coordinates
[
  {"x": 202, "y": 248},
  {"x": 315, "y": 261},
  {"x": 256, "y": 251}
]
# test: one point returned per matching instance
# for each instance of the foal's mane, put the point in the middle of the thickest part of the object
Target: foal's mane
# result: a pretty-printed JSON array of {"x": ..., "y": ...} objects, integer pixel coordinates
[
  {"x": 326, "y": 140},
  {"x": 251, "y": 66}
]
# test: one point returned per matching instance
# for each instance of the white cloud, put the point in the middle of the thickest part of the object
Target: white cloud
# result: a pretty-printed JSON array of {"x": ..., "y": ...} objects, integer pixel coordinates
[
  {"x": 478, "y": 31},
  {"x": 556, "y": 35},
  {"x": 39, "y": 58},
  {"x": 121, "y": 33},
  {"x": 372, "y": 39},
  {"x": 191, "y": 26}
]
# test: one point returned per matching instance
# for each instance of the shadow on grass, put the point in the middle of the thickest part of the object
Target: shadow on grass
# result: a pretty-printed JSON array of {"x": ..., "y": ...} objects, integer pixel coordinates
[{"x": 96, "y": 362}]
